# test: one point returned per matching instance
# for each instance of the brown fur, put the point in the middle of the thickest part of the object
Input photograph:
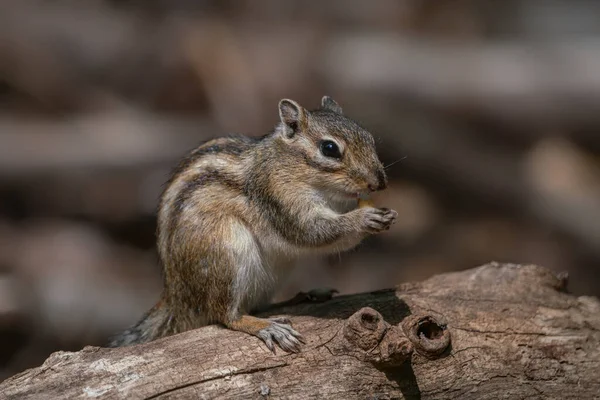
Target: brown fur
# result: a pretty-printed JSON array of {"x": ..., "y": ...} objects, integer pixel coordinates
[
  {"x": 248, "y": 324},
  {"x": 238, "y": 211}
]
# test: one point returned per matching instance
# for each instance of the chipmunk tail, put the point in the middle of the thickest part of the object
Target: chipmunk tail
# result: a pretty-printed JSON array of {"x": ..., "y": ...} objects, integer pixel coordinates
[{"x": 156, "y": 323}]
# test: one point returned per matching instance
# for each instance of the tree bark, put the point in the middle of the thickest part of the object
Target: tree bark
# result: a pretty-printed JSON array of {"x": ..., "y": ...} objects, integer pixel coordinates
[{"x": 497, "y": 331}]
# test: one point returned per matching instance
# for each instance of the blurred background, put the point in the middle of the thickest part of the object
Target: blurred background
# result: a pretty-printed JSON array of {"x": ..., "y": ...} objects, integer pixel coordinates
[{"x": 492, "y": 108}]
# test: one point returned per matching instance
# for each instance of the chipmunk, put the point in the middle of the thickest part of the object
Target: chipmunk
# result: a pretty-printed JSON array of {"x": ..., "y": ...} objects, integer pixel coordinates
[{"x": 238, "y": 211}]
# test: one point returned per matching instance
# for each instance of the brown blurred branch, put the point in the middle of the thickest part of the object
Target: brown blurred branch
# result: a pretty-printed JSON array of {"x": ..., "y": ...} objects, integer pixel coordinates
[
  {"x": 549, "y": 81},
  {"x": 555, "y": 181},
  {"x": 99, "y": 141}
]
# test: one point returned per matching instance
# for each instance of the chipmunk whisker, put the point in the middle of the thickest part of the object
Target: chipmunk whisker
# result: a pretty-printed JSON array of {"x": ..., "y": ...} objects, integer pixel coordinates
[{"x": 395, "y": 162}]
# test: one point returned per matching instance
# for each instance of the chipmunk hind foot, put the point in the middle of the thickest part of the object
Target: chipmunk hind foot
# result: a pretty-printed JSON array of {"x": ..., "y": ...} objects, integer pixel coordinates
[{"x": 274, "y": 331}]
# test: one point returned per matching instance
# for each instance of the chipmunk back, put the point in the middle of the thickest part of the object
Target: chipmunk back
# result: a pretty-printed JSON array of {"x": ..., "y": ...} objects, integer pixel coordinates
[{"x": 238, "y": 211}]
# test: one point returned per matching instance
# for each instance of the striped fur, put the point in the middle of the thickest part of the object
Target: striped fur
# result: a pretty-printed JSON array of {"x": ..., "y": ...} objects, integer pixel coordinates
[{"x": 238, "y": 211}]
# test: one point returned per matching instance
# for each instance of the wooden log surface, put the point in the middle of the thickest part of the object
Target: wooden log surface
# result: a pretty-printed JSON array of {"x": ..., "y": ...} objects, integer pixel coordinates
[{"x": 496, "y": 331}]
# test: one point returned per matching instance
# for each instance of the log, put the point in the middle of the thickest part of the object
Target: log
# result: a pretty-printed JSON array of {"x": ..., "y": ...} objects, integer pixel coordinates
[{"x": 496, "y": 331}]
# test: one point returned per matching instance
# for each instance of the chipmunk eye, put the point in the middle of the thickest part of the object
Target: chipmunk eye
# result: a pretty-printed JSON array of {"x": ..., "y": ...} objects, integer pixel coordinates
[{"x": 330, "y": 149}]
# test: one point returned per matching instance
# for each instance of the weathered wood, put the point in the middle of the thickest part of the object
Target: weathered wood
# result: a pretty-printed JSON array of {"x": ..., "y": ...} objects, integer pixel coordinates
[{"x": 513, "y": 331}]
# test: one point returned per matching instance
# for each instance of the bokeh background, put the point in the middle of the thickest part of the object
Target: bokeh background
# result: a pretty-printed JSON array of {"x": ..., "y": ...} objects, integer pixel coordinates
[{"x": 491, "y": 108}]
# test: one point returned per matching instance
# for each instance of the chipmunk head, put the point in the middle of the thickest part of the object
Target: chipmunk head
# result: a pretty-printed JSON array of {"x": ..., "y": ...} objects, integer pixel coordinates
[{"x": 341, "y": 154}]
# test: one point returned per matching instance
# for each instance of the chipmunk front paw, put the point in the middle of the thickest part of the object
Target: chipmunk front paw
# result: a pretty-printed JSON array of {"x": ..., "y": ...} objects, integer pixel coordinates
[{"x": 377, "y": 220}]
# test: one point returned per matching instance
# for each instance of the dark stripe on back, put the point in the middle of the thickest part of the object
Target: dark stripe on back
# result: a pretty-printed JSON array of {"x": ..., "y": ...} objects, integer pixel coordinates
[
  {"x": 208, "y": 177},
  {"x": 235, "y": 146}
]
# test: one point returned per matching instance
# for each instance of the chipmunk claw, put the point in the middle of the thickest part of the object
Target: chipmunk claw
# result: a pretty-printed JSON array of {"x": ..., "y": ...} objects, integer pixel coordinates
[{"x": 269, "y": 343}]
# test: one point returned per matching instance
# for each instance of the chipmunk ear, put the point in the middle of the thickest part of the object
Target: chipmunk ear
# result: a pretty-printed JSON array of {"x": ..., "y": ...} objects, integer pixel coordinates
[
  {"x": 293, "y": 116},
  {"x": 330, "y": 104}
]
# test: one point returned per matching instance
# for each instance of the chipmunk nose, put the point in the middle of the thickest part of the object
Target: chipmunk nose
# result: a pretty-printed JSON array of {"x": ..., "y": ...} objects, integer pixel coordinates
[{"x": 379, "y": 182}]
